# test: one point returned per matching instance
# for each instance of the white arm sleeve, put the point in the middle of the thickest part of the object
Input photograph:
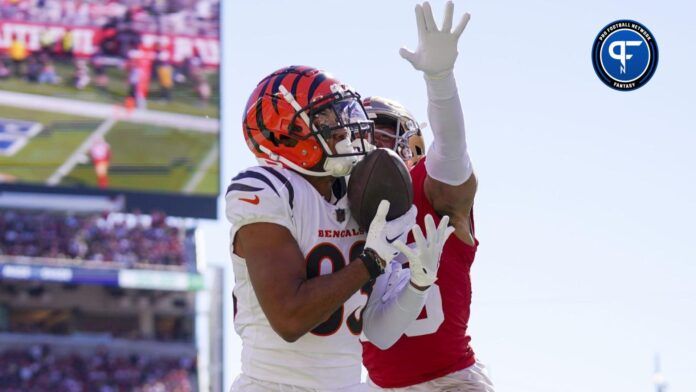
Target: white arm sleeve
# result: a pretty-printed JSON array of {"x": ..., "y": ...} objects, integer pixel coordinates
[
  {"x": 448, "y": 160},
  {"x": 393, "y": 305}
]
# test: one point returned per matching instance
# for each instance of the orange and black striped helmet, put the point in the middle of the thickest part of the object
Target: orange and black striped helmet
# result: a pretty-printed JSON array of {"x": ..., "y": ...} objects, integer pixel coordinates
[{"x": 280, "y": 124}]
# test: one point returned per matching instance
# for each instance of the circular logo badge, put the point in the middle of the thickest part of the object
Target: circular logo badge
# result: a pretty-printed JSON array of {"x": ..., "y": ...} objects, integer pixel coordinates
[{"x": 625, "y": 55}]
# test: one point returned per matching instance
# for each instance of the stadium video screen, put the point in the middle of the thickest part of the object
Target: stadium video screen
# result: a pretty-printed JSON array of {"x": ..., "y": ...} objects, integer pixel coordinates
[{"x": 106, "y": 97}]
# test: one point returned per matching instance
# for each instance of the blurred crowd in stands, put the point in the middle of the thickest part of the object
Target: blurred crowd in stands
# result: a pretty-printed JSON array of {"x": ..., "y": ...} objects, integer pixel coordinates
[
  {"x": 120, "y": 53},
  {"x": 34, "y": 319},
  {"x": 196, "y": 17},
  {"x": 124, "y": 239},
  {"x": 37, "y": 368}
]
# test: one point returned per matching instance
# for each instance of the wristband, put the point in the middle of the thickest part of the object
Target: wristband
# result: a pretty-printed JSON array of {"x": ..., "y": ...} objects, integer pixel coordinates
[{"x": 373, "y": 262}]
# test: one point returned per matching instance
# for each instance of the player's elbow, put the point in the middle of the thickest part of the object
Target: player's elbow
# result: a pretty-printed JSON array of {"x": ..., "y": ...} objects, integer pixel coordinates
[
  {"x": 289, "y": 320},
  {"x": 288, "y": 330},
  {"x": 451, "y": 200},
  {"x": 289, "y": 324},
  {"x": 290, "y": 336}
]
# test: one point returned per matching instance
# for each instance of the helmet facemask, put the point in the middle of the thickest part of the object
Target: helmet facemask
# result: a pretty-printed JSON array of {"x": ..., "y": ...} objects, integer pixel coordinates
[
  {"x": 341, "y": 112},
  {"x": 394, "y": 133}
]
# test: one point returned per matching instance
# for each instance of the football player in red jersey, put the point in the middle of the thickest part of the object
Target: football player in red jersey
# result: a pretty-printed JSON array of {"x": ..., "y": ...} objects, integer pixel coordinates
[
  {"x": 100, "y": 152},
  {"x": 434, "y": 353}
]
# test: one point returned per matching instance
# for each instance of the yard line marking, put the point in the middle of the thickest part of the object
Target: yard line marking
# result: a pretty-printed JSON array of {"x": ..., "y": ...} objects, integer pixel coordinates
[
  {"x": 104, "y": 110},
  {"x": 81, "y": 151},
  {"x": 203, "y": 167}
]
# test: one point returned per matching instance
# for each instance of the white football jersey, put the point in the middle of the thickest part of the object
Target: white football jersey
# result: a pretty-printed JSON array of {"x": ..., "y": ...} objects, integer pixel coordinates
[{"x": 329, "y": 357}]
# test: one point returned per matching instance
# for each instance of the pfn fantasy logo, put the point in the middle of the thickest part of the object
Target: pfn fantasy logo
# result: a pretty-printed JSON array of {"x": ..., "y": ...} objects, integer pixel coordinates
[{"x": 625, "y": 55}]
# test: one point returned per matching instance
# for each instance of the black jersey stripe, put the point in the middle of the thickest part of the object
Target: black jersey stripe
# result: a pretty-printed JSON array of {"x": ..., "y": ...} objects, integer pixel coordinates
[
  {"x": 285, "y": 181},
  {"x": 258, "y": 176},
  {"x": 242, "y": 188}
]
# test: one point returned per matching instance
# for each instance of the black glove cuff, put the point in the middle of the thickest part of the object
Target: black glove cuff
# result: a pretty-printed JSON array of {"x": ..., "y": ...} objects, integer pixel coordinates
[{"x": 373, "y": 262}]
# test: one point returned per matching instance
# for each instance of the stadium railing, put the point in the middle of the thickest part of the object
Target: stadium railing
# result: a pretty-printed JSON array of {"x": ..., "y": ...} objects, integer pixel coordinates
[{"x": 89, "y": 263}]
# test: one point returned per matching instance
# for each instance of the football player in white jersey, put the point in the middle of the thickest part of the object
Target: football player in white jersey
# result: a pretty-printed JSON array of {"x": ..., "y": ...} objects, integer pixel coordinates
[{"x": 303, "y": 268}]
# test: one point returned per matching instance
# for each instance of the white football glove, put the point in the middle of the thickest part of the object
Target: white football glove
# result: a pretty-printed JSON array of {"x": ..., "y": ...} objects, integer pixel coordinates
[
  {"x": 382, "y": 234},
  {"x": 437, "y": 49},
  {"x": 424, "y": 259}
]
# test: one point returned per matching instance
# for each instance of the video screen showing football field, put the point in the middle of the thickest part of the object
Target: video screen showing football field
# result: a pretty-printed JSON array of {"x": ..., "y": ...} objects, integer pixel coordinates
[
  {"x": 53, "y": 148},
  {"x": 41, "y": 147},
  {"x": 125, "y": 99}
]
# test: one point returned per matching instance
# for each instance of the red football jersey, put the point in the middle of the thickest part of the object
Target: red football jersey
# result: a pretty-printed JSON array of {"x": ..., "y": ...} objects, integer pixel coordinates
[
  {"x": 100, "y": 151},
  {"x": 437, "y": 343}
]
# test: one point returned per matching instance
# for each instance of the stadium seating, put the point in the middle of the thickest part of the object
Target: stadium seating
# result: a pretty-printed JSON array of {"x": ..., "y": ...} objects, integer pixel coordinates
[
  {"x": 129, "y": 241},
  {"x": 180, "y": 17},
  {"x": 38, "y": 368}
]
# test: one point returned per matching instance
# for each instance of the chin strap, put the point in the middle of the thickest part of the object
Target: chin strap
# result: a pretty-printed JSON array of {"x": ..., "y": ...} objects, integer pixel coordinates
[
  {"x": 278, "y": 160},
  {"x": 341, "y": 166}
]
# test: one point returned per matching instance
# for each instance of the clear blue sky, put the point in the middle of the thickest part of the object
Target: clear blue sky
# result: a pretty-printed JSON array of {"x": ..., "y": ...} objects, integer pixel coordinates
[{"x": 586, "y": 210}]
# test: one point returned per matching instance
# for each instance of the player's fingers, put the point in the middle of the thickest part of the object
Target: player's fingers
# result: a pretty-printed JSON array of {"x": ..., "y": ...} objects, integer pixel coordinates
[
  {"x": 405, "y": 221},
  {"x": 418, "y": 236},
  {"x": 408, "y": 55},
  {"x": 430, "y": 229},
  {"x": 382, "y": 210},
  {"x": 462, "y": 25},
  {"x": 448, "y": 233},
  {"x": 447, "y": 21},
  {"x": 428, "y": 15},
  {"x": 444, "y": 223},
  {"x": 420, "y": 21},
  {"x": 403, "y": 248},
  {"x": 412, "y": 213}
]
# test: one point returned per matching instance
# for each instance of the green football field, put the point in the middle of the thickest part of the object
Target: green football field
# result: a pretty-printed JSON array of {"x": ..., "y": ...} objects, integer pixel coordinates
[
  {"x": 184, "y": 98},
  {"x": 144, "y": 157}
]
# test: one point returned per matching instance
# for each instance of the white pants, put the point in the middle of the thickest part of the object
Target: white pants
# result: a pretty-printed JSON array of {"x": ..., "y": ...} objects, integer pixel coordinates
[
  {"x": 472, "y": 379},
  {"x": 244, "y": 383}
]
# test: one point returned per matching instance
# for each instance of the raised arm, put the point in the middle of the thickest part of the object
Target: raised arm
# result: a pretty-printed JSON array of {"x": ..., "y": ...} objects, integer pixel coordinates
[{"x": 451, "y": 184}]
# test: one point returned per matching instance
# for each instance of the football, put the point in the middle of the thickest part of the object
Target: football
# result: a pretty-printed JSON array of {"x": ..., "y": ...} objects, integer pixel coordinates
[{"x": 380, "y": 175}]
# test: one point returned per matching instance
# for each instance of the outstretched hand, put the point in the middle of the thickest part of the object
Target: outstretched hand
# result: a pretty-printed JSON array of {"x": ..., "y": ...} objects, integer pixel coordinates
[
  {"x": 437, "y": 48},
  {"x": 424, "y": 259}
]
